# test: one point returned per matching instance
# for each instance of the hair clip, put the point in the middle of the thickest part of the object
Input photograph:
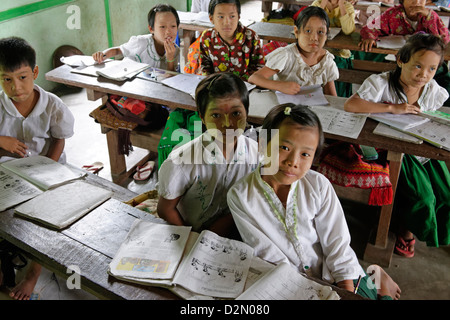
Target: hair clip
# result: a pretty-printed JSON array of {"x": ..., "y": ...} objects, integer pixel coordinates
[{"x": 287, "y": 111}]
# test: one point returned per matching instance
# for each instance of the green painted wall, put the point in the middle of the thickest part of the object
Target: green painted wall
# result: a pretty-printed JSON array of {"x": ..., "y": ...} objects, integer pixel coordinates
[{"x": 52, "y": 27}]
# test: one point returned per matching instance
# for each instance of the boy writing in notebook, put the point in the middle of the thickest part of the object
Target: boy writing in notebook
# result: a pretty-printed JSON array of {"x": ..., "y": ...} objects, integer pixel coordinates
[
  {"x": 157, "y": 48},
  {"x": 32, "y": 122}
]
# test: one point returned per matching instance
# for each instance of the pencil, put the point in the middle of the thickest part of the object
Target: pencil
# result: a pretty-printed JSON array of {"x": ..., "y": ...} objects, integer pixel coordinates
[{"x": 357, "y": 285}]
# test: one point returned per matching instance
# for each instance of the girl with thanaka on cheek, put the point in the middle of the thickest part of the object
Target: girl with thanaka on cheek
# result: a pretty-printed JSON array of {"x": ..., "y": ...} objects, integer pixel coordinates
[{"x": 195, "y": 178}]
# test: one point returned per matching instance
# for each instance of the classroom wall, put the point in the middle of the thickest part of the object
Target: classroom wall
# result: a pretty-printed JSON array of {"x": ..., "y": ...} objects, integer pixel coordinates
[{"x": 80, "y": 23}]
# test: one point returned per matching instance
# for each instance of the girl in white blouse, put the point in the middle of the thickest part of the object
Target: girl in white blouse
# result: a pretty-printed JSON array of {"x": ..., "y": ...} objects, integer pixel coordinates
[
  {"x": 303, "y": 63},
  {"x": 195, "y": 178},
  {"x": 293, "y": 214},
  {"x": 422, "y": 200}
]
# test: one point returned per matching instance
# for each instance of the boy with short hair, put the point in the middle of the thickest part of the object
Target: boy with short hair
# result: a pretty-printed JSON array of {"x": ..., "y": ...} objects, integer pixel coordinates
[
  {"x": 157, "y": 48},
  {"x": 32, "y": 122}
]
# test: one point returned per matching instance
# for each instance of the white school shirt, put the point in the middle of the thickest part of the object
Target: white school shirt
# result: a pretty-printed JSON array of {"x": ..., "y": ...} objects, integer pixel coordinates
[
  {"x": 142, "y": 49},
  {"x": 204, "y": 181},
  {"x": 292, "y": 67},
  {"x": 376, "y": 89},
  {"x": 50, "y": 118},
  {"x": 313, "y": 213},
  {"x": 200, "y": 5}
]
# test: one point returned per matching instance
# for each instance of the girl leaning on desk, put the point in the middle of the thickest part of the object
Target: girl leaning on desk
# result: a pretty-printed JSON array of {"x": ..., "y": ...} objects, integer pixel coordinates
[{"x": 422, "y": 200}]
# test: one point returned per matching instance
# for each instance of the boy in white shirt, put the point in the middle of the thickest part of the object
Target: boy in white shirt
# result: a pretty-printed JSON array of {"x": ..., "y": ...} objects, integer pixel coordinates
[
  {"x": 32, "y": 122},
  {"x": 156, "y": 49}
]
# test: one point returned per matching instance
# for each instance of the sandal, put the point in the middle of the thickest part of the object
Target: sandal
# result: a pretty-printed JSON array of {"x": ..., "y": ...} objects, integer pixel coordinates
[
  {"x": 143, "y": 172},
  {"x": 404, "y": 247},
  {"x": 94, "y": 168}
]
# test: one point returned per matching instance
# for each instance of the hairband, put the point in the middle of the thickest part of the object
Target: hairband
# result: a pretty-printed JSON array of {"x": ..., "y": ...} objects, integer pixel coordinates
[{"x": 287, "y": 111}]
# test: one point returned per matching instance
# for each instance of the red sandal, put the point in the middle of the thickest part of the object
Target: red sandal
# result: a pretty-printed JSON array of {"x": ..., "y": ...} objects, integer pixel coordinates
[{"x": 404, "y": 247}]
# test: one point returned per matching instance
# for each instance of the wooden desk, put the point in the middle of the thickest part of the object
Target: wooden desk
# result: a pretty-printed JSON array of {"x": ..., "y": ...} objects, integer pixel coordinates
[
  {"x": 266, "y": 6},
  {"x": 361, "y": 68},
  {"x": 379, "y": 252},
  {"x": 57, "y": 250},
  {"x": 139, "y": 89},
  {"x": 90, "y": 244},
  {"x": 381, "y": 245}
]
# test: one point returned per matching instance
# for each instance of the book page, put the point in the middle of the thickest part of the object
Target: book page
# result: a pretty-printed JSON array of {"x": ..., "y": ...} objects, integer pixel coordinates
[
  {"x": 333, "y": 32},
  {"x": 42, "y": 171},
  {"x": 124, "y": 70},
  {"x": 386, "y": 131},
  {"x": 435, "y": 133},
  {"x": 15, "y": 190},
  {"x": 340, "y": 122},
  {"x": 391, "y": 42},
  {"x": 399, "y": 121},
  {"x": 308, "y": 96},
  {"x": 150, "y": 251},
  {"x": 285, "y": 283},
  {"x": 216, "y": 266},
  {"x": 62, "y": 206}
]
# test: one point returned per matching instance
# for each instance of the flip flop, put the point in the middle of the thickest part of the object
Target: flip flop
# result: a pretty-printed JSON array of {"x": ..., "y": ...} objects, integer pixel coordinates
[
  {"x": 94, "y": 167},
  {"x": 404, "y": 247},
  {"x": 143, "y": 172}
]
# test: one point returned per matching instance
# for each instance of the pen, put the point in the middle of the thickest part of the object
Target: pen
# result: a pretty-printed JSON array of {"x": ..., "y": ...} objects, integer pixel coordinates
[{"x": 357, "y": 285}]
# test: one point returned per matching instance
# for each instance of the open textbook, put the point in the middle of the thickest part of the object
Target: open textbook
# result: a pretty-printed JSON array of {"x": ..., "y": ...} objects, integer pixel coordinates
[
  {"x": 152, "y": 254},
  {"x": 62, "y": 206},
  {"x": 283, "y": 282},
  {"x": 119, "y": 70},
  {"x": 42, "y": 171},
  {"x": 205, "y": 266},
  {"x": 15, "y": 190},
  {"x": 187, "y": 83}
]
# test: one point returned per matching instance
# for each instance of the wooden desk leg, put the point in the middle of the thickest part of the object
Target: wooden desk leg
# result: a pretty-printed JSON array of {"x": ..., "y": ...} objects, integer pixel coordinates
[
  {"x": 116, "y": 160},
  {"x": 266, "y": 7},
  {"x": 188, "y": 36},
  {"x": 381, "y": 250}
]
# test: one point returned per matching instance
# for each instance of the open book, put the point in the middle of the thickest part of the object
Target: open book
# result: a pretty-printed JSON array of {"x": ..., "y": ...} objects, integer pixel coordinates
[
  {"x": 308, "y": 96},
  {"x": 15, "y": 190},
  {"x": 441, "y": 115},
  {"x": 152, "y": 254},
  {"x": 119, "y": 70},
  {"x": 42, "y": 171},
  {"x": 187, "y": 83},
  {"x": 283, "y": 282},
  {"x": 62, "y": 206}
]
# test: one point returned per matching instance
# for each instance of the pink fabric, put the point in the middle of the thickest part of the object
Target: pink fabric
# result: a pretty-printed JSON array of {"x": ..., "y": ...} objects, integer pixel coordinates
[{"x": 393, "y": 22}]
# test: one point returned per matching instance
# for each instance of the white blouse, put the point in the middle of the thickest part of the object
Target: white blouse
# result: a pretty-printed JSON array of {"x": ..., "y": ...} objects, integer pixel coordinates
[
  {"x": 141, "y": 48},
  {"x": 199, "y": 173},
  {"x": 50, "y": 118},
  {"x": 376, "y": 89},
  {"x": 291, "y": 67},
  {"x": 310, "y": 234}
]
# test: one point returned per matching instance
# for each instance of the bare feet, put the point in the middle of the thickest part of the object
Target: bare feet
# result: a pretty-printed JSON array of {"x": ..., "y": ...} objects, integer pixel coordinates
[
  {"x": 23, "y": 290},
  {"x": 384, "y": 283}
]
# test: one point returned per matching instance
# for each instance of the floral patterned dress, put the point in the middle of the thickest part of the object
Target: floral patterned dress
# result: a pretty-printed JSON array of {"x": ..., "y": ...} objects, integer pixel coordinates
[
  {"x": 394, "y": 22},
  {"x": 242, "y": 57}
]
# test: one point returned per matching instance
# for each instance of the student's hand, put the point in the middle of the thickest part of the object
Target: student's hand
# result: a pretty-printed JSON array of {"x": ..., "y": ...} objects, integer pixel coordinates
[
  {"x": 415, "y": 12},
  {"x": 290, "y": 87},
  {"x": 404, "y": 108},
  {"x": 367, "y": 44},
  {"x": 99, "y": 56},
  {"x": 170, "y": 49},
  {"x": 13, "y": 145}
]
